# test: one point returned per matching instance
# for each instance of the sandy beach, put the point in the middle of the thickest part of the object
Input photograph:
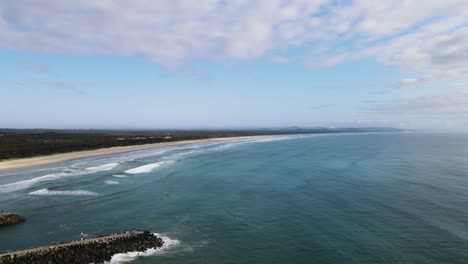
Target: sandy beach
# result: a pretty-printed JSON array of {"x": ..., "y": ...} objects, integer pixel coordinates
[{"x": 15, "y": 164}]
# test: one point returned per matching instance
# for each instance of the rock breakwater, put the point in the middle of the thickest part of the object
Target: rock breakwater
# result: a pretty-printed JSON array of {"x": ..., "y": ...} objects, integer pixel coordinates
[{"x": 95, "y": 250}]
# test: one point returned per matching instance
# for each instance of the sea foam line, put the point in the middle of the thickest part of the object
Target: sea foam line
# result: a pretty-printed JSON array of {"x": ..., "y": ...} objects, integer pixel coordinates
[
  {"x": 131, "y": 256},
  {"x": 191, "y": 149},
  {"x": 111, "y": 182},
  {"x": 197, "y": 150},
  {"x": 46, "y": 192},
  {"x": 145, "y": 168},
  {"x": 67, "y": 172}
]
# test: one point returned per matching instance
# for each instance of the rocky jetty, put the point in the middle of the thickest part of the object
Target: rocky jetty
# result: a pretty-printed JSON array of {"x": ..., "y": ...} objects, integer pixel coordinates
[
  {"x": 9, "y": 219},
  {"x": 95, "y": 250}
]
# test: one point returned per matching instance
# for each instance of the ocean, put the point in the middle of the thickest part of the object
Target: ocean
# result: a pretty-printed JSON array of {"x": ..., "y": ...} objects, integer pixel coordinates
[{"x": 335, "y": 198}]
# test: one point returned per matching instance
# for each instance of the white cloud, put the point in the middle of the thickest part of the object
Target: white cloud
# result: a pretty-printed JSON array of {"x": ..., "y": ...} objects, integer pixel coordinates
[
  {"x": 429, "y": 39},
  {"x": 280, "y": 59},
  {"x": 451, "y": 100},
  {"x": 443, "y": 55},
  {"x": 446, "y": 110}
]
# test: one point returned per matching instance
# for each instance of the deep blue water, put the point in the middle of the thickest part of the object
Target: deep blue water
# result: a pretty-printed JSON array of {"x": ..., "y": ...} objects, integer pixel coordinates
[{"x": 357, "y": 198}]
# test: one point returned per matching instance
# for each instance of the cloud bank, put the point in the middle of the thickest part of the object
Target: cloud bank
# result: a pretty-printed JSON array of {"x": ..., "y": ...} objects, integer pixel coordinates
[{"x": 428, "y": 39}]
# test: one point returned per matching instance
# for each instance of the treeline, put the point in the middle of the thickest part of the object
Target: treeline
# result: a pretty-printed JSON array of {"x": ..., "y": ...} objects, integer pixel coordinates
[
  {"x": 23, "y": 143},
  {"x": 16, "y": 143}
]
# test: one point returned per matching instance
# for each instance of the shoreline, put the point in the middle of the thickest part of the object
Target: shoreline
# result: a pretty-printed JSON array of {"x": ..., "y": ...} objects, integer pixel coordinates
[{"x": 23, "y": 163}]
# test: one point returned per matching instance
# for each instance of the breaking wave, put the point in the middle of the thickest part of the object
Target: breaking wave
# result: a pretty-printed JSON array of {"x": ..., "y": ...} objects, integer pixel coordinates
[
  {"x": 112, "y": 182},
  {"x": 145, "y": 168},
  {"x": 67, "y": 172},
  {"x": 189, "y": 150},
  {"x": 45, "y": 192},
  {"x": 131, "y": 256},
  {"x": 197, "y": 149}
]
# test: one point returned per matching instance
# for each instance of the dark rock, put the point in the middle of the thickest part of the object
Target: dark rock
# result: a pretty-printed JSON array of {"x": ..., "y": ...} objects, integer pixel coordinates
[{"x": 9, "y": 219}]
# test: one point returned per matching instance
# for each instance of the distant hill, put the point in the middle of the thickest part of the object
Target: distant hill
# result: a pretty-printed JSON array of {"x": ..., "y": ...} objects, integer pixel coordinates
[{"x": 297, "y": 129}]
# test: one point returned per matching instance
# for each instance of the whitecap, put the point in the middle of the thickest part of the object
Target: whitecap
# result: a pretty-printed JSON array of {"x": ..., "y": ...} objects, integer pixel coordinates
[
  {"x": 112, "y": 182},
  {"x": 46, "y": 192},
  {"x": 119, "y": 176},
  {"x": 131, "y": 256},
  {"x": 104, "y": 167},
  {"x": 145, "y": 168}
]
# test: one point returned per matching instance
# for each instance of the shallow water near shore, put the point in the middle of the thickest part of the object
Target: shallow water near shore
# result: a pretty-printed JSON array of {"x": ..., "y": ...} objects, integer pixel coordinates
[{"x": 349, "y": 198}]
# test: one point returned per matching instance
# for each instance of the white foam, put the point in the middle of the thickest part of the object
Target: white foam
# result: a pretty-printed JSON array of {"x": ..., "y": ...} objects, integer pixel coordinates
[
  {"x": 119, "y": 176},
  {"x": 44, "y": 192},
  {"x": 145, "y": 168},
  {"x": 112, "y": 182},
  {"x": 272, "y": 139},
  {"x": 67, "y": 172},
  {"x": 224, "y": 145},
  {"x": 131, "y": 256},
  {"x": 104, "y": 167}
]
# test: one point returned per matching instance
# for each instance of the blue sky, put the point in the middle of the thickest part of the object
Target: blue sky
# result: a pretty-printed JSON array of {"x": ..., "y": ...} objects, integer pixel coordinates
[{"x": 179, "y": 64}]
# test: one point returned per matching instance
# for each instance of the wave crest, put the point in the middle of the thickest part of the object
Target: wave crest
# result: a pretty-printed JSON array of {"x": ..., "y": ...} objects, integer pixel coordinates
[
  {"x": 145, "y": 168},
  {"x": 46, "y": 192},
  {"x": 111, "y": 182},
  {"x": 67, "y": 172}
]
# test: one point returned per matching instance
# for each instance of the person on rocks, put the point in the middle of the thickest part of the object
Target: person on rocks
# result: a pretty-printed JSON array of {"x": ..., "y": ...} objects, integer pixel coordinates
[{"x": 82, "y": 235}]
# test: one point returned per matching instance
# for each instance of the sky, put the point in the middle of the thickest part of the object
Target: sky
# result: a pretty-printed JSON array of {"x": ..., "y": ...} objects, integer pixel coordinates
[{"x": 158, "y": 64}]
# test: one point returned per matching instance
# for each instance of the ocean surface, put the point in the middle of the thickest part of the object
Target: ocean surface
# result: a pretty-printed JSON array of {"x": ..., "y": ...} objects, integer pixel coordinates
[{"x": 348, "y": 198}]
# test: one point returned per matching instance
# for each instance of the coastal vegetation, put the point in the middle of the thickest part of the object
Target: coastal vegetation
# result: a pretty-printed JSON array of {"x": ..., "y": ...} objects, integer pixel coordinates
[{"x": 17, "y": 143}]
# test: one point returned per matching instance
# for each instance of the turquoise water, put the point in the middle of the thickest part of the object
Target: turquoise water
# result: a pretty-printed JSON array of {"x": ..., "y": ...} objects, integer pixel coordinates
[{"x": 363, "y": 198}]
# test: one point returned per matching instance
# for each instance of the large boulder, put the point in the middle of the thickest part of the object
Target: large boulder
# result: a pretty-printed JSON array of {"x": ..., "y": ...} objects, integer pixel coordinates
[{"x": 9, "y": 219}]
